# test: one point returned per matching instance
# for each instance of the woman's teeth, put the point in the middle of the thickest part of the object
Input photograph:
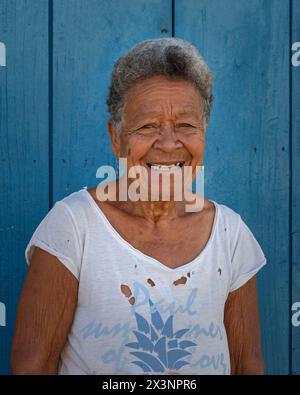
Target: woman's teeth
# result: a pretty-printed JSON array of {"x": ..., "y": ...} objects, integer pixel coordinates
[{"x": 173, "y": 167}]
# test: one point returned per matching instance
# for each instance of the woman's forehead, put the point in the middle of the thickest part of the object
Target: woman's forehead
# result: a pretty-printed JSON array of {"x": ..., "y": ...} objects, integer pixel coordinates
[
  {"x": 183, "y": 100},
  {"x": 176, "y": 110},
  {"x": 162, "y": 85},
  {"x": 144, "y": 110}
]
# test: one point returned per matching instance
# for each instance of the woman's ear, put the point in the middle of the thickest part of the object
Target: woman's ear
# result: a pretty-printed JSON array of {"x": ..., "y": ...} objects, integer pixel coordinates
[{"x": 114, "y": 139}]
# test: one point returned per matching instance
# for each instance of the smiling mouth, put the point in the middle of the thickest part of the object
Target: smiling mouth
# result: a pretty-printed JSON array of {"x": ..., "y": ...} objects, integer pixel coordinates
[{"x": 166, "y": 167}]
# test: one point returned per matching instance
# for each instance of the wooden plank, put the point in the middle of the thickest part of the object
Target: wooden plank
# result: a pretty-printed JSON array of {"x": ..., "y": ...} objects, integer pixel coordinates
[
  {"x": 247, "y": 154},
  {"x": 23, "y": 146},
  {"x": 295, "y": 90},
  {"x": 89, "y": 36}
]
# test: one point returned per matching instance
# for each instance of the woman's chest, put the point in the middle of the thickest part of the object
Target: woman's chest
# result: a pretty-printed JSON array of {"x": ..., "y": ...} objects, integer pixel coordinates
[
  {"x": 171, "y": 250},
  {"x": 175, "y": 244}
]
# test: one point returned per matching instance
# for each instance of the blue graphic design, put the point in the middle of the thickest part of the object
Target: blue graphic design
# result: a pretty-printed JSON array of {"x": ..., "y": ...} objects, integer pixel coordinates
[{"x": 158, "y": 347}]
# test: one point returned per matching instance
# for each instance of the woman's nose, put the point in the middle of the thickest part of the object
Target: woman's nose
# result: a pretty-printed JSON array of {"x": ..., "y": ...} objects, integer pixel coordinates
[{"x": 167, "y": 139}]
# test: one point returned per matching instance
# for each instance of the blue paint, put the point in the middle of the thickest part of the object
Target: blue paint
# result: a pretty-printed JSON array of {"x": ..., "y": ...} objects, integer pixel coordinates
[
  {"x": 295, "y": 188},
  {"x": 24, "y": 176}
]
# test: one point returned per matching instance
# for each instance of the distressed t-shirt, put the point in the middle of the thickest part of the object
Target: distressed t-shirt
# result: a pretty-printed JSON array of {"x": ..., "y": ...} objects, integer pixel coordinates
[{"x": 134, "y": 314}]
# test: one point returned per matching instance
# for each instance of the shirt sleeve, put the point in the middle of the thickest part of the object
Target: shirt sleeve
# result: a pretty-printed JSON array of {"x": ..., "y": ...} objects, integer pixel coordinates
[
  {"x": 58, "y": 234},
  {"x": 247, "y": 258}
]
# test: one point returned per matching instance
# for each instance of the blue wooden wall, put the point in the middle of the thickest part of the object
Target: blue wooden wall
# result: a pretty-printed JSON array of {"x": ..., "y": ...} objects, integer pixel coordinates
[{"x": 59, "y": 55}]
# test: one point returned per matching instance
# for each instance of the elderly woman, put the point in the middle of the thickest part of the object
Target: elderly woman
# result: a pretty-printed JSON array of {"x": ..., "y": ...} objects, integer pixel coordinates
[{"x": 142, "y": 286}]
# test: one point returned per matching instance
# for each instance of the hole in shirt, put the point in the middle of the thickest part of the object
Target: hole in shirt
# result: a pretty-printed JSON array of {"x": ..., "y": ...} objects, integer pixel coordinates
[
  {"x": 126, "y": 290},
  {"x": 180, "y": 281},
  {"x": 151, "y": 282}
]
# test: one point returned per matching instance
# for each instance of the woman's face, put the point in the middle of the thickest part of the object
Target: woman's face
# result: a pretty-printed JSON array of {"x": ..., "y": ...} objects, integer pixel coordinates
[{"x": 163, "y": 124}]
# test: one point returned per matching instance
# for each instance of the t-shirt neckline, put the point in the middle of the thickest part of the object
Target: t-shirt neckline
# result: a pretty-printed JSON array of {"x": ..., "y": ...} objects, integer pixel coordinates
[{"x": 139, "y": 254}]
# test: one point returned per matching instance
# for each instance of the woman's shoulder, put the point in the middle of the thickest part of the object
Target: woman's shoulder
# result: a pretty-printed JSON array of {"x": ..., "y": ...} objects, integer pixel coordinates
[
  {"x": 77, "y": 204},
  {"x": 226, "y": 210},
  {"x": 228, "y": 218},
  {"x": 75, "y": 199}
]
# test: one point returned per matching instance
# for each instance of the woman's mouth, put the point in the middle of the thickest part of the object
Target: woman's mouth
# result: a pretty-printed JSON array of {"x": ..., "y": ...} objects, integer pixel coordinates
[{"x": 167, "y": 167}]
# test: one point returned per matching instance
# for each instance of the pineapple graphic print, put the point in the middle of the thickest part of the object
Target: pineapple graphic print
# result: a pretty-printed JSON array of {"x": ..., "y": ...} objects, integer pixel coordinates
[{"x": 158, "y": 348}]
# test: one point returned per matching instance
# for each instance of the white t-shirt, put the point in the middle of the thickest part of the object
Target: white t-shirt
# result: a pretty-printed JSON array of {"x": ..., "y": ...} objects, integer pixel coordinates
[{"x": 134, "y": 314}]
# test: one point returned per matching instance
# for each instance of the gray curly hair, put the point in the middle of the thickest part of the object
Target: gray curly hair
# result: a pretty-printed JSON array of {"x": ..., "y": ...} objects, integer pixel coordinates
[{"x": 171, "y": 57}]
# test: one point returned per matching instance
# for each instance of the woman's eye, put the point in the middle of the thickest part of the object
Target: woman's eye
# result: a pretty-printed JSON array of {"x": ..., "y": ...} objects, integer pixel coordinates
[
  {"x": 148, "y": 126},
  {"x": 184, "y": 125}
]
